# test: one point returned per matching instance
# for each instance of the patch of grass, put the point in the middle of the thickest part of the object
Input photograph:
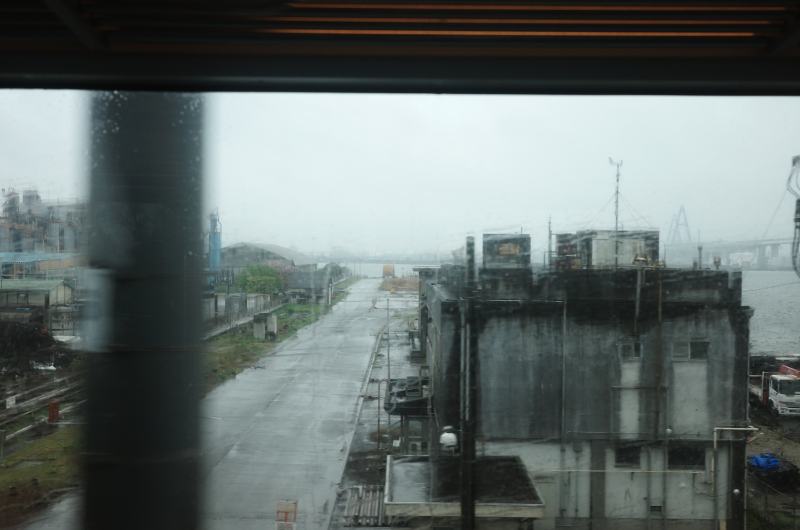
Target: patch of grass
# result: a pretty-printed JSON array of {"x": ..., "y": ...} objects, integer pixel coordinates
[
  {"x": 229, "y": 354},
  {"x": 57, "y": 466}
]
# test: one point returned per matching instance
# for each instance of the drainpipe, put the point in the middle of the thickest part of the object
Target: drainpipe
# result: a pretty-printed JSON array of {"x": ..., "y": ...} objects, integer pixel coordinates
[
  {"x": 714, "y": 469},
  {"x": 639, "y": 281},
  {"x": 657, "y": 424},
  {"x": 563, "y": 501}
]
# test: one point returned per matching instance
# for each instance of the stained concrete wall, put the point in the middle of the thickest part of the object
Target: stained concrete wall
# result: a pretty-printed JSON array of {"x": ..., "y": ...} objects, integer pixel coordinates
[
  {"x": 627, "y": 493},
  {"x": 522, "y": 355},
  {"x": 527, "y": 345}
]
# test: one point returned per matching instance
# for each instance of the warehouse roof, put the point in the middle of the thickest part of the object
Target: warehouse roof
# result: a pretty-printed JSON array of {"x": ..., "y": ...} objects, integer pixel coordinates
[
  {"x": 298, "y": 258},
  {"x": 29, "y": 285}
]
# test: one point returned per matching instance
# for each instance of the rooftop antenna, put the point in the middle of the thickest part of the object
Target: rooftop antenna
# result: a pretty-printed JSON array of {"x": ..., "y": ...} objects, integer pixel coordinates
[{"x": 616, "y": 214}]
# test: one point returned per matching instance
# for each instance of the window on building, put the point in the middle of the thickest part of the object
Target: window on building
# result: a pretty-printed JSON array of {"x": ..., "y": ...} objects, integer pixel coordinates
[
  {"x": 22, "y": 298},
  {"x": 630, "y": 350},
  {"x": 696, "y": 350},
  {"x": 686, "y": 457},
  {"x": 628, "y": 456}
]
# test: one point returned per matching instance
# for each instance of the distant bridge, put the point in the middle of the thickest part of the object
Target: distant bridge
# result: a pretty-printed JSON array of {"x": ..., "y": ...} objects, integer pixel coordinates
[
  {"x": 388, "y": 261},
  {"x": 764, "y": 254}
]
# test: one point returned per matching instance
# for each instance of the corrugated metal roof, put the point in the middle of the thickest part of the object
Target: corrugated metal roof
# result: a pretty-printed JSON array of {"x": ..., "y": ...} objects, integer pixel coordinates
[
  {"x": 297, "y": 257},
  {"x": 25, "y": 257},
  {"x": 29, "y": 285}
]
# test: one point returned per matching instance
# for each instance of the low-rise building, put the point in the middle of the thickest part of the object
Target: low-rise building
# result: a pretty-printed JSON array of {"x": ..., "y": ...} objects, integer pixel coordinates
[
  {"x": 314, "y": 287},
  {"x": 622, "y": 390},
  {"x": 33, "y": 300}
]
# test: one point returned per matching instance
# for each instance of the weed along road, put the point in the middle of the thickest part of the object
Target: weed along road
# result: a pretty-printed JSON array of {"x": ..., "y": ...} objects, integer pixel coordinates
[{"x": 283, "y": 429}]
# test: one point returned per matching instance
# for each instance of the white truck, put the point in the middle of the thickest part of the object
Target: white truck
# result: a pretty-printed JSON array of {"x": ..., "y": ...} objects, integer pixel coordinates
[{"x": 779, "y": 391}]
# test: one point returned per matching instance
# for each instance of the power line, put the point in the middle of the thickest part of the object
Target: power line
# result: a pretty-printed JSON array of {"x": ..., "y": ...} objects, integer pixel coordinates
[
  {"x": 601, "y": 212},
  {"x": 637, "y": 213}
]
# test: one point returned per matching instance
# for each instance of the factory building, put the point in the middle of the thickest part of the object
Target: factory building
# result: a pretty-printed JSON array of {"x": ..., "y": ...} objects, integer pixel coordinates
[
  {"x": 29, "y": 224},
  {"x": 236, "y": 257},
  {"x": 620, "y": 389},
  {"x": 40, "y": 239}
]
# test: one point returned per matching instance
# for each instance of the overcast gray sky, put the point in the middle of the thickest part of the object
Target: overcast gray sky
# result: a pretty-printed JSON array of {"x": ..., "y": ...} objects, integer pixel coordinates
[{"x": 376, "y": 173}]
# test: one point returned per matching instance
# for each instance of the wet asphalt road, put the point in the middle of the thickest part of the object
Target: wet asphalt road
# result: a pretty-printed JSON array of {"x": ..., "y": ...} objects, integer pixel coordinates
[{"x": 282, "y": 430}]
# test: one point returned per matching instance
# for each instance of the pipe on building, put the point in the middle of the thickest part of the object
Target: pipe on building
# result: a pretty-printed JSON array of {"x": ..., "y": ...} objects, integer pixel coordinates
[
  {"x": 639, "y": 281},
  {"x": 657, "y": 425},
  {"x": 468, "y": 435},
  {"x": 562, "y": 509},
  {"x": 714, "y": 468}
]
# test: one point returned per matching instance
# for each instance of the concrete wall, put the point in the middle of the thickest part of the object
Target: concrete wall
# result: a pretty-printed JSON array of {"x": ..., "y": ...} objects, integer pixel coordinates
[
  {"x": 626, "y": 381},
  {"x": 618, "y": 497}
]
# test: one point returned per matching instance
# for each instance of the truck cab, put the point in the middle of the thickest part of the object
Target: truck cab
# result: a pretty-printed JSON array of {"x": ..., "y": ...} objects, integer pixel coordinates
[
  {"x": 780, "y": 391},
  {"x": 784, "y": 394}
]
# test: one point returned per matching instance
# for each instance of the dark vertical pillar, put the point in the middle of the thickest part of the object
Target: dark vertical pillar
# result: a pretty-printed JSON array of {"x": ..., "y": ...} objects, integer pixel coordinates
[
  {"x": 145, "y": 250},
  {"x": 598, "y": 484}
]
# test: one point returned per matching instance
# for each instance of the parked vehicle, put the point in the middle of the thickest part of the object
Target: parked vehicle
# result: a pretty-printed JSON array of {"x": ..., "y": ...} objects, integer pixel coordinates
[{"x": 780, "y": 391}]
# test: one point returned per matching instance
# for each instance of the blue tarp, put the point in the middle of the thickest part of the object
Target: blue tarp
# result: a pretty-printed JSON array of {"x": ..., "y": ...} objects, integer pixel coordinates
[{"x": 764, "y": 462}]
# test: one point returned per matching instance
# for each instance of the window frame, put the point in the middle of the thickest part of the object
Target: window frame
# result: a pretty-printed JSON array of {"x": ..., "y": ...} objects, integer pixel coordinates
[
  {"x": 627, "y": 465},
  {"x": 700, "y": 466},
  {"x": 689, "y": 357},
  {"x": 635, "y": 343}
]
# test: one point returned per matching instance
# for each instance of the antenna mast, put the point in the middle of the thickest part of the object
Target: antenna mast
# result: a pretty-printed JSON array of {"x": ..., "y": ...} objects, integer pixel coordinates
[
  {"x": 616, "y": 215},
  {"x": 549, "y": 239}
]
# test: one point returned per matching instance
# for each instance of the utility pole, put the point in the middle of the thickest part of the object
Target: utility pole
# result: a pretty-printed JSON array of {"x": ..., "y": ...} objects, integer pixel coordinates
[
  {"x": 549, "y": 242},
  {"x": 388, "y": 347},
  {"x": 469, "y": 396},
  {"x": 616, "y": 215}
]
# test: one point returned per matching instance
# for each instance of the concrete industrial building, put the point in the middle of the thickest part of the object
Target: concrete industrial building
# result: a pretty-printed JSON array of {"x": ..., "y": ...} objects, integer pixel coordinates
[
  {"x": 619, "y": 389},
  {"x": 40, "y": 239},
  {"x": 29, "y": 224}
]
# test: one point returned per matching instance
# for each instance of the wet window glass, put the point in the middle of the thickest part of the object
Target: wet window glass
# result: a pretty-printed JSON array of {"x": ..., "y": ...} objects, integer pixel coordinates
[{"x": 327, "y": 310}]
